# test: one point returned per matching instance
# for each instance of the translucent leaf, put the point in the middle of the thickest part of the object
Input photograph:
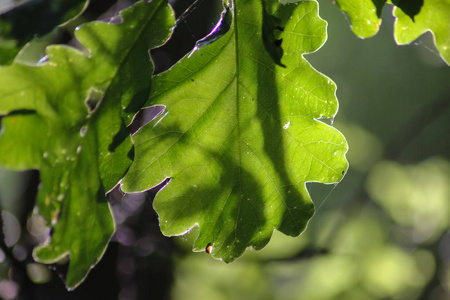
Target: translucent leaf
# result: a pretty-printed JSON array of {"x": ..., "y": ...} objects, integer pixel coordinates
[
  {"x": 409, "y": 7},
  {"x": 434, "y": 16},
  {"x": 365, "y": 15},
  {"x": 413, "y": 18},
  {"x": 67, "y": 117},
  {"x": 240, "y": 136}
]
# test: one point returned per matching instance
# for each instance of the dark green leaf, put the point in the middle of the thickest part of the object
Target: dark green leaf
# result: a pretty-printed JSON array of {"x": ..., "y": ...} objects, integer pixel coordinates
[{"x": 67, "y": 117}]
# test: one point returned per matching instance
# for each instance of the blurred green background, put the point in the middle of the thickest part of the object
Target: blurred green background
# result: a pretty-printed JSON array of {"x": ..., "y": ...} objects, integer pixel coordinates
[{"x": 381, "y": 233}]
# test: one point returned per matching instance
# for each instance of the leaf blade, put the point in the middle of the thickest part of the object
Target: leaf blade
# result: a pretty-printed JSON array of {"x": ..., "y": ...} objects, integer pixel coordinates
[
  {"x": 238, "y": 150},
  {"x": 67, "y": 117},
  {"x": 434, "y": 17},
  {"x": 365, "y": 15}
]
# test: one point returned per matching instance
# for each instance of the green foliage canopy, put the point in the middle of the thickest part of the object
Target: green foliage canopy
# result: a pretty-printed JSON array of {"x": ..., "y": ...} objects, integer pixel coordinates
[
  {"x": 239, "y": 143},
  {"x": 240, "y": 137}
]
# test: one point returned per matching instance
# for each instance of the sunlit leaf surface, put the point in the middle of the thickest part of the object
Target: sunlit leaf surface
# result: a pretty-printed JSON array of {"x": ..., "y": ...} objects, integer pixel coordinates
[
  {"x": 365, "y": 15},
  {"x": 67, "y": 117},
  {"x": 413, "y": 18},
  {"x": 240, "y": 135},
  {"x": 434, "y": 16}
]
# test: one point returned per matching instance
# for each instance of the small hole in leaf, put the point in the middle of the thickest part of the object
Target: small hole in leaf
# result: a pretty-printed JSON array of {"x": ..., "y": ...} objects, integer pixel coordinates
[
  {"x": 145, "y": 116},
  {"x": 94, "y": 98}
]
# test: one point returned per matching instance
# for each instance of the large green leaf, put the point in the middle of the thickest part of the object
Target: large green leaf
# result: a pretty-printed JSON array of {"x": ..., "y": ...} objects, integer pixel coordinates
[
  {"x": 434, "y": 16},
  {"x": 67, "y": 117},
  {"x": 240, "y": 135}
]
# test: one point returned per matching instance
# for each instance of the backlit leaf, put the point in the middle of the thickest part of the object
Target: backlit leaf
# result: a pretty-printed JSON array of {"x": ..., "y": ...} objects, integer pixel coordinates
[
  {"x": 434, "y": 16},
  {"x": 67, "y": 117},
  {"x": 240, "y": 136},
  {"x": 365, "y": 15}
]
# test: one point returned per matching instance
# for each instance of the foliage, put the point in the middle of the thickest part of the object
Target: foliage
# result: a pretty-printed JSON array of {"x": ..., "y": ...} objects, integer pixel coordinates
[
  {"x": 433, "y": 16},
  {"x": 68, "y": 115},
  {"x": 244, "y": 126},
  {"x": 43, "y": 18},
  {"x": 413, "y": 18},
  {"x": 365, "y": 16},
  {"x": 240, "y": 144}
]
